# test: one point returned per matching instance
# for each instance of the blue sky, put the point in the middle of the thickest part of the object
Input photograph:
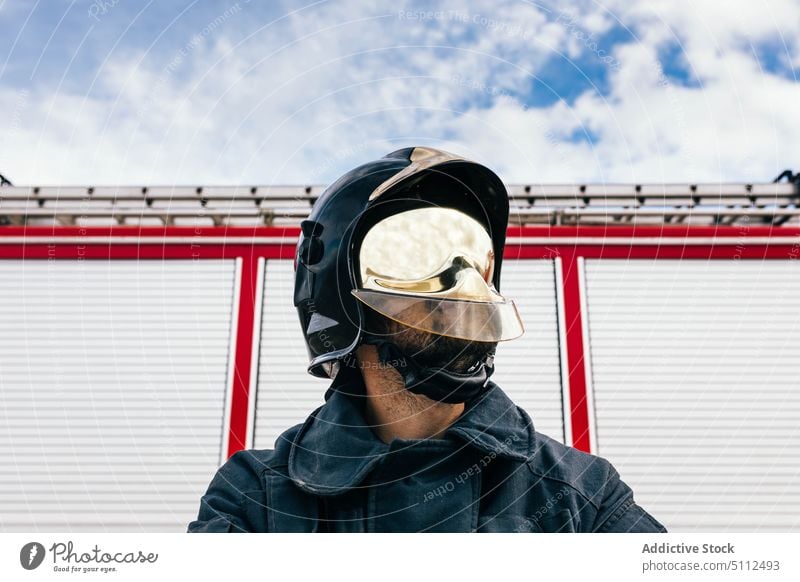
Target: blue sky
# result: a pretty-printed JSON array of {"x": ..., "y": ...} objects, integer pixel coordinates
[{"x": 122, "y": 92}]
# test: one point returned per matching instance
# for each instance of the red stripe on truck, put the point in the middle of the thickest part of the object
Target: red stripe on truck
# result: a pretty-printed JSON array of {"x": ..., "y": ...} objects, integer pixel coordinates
[{"x": 240, "y": 399}]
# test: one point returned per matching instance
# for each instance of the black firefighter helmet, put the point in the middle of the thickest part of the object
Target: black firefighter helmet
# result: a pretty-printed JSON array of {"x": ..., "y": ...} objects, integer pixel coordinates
[{"x": 418, "y": 236}]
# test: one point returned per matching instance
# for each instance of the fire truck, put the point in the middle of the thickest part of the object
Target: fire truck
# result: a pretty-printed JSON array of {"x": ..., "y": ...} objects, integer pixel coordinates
[{"x": 148, "y": 333}]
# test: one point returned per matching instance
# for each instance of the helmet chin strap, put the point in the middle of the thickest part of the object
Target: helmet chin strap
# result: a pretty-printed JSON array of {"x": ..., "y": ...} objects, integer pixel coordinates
[{"x": 436, "y": 383}]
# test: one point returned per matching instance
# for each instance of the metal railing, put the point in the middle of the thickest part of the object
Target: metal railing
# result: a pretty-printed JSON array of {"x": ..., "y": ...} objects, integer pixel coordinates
[{"x": 773, "y": 203}]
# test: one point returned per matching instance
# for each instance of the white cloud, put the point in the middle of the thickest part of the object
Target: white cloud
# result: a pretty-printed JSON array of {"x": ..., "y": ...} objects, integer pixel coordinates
[{"x": 341, "y": 83}]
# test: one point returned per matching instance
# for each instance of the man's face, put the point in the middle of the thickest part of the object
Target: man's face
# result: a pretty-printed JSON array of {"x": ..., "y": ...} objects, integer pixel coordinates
[
  {"x": 430, "y": 350},
  {"x": 432, "y": 269}
]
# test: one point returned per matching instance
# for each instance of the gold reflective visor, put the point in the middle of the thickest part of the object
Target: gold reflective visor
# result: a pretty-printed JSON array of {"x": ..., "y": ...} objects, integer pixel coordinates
[{"x": 432, "y": 269}]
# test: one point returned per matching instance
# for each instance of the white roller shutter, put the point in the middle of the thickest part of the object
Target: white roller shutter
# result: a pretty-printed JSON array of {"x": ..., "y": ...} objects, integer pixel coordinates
[
  {"x": 112, "y": 390},
  {"x": 286, "y": 393},
  {"x": 528, "y": 369},
  {"x": 696, "y": 379}
]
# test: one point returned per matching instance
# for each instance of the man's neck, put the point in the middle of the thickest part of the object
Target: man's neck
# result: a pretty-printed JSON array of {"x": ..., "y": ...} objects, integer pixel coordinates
[{"x": 395, "y": 412}]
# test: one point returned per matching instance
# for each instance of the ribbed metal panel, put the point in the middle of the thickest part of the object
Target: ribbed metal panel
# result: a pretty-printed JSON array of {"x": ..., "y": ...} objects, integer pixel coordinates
[
  {"x": 695, "y": 375},
  {"x": 112, "y": 390},
  {"x": 528, "y": 369},
  {"x": 286, "y": 393}
]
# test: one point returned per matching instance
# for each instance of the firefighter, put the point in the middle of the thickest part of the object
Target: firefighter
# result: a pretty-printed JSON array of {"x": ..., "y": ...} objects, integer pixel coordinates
[{"x": 397, "y": 287}]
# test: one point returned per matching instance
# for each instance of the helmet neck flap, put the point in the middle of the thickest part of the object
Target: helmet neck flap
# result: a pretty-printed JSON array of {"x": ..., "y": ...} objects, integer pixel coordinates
[{"x": 436, "y": 383}]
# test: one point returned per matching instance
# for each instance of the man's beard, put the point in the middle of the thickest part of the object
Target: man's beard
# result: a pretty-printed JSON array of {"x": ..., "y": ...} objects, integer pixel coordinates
[{"x": 432, "y": 350}]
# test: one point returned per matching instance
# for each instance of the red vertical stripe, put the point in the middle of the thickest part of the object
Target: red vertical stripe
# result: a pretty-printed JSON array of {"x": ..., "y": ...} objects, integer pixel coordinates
[
  {"x": 575, "y": 357},
  {"x": 237, "y": 434}
]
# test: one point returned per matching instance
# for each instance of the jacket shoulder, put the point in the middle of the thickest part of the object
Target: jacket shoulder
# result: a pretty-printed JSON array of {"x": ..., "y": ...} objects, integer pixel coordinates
[
  {"x": 247, "y": 467},
  {"x": 584, "y": 473},
  {"x": 237, "y": 489},
  {"x": 595, "y": 479},
  {"x": 257, "y": 461}
]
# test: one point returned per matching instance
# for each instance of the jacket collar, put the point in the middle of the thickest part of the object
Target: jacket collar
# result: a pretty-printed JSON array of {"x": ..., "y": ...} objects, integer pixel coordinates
[{"x": 335, "y": 450}]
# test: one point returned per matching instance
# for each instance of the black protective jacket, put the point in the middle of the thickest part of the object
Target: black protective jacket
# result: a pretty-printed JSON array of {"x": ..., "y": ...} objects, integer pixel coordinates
[{"x": 491, "y": 472}]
